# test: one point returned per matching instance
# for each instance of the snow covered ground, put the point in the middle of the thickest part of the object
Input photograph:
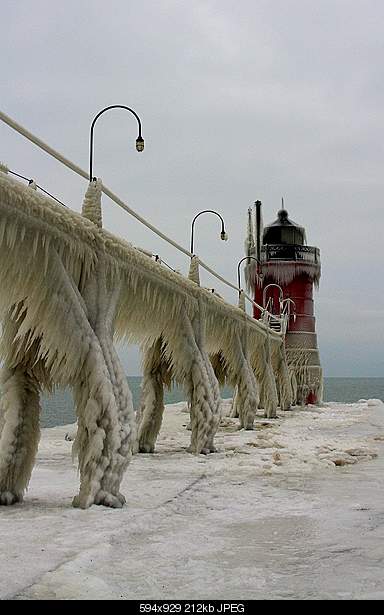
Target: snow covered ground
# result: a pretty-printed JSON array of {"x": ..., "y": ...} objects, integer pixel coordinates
[{"x": 292, "y": 510}]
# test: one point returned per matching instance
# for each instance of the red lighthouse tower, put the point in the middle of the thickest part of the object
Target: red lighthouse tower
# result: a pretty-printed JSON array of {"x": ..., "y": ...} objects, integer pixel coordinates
[{"x": 285, "y": 274}]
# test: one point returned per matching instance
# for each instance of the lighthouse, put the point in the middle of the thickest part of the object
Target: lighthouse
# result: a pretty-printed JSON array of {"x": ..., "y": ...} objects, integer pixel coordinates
[{"x": 282, "y": 281}]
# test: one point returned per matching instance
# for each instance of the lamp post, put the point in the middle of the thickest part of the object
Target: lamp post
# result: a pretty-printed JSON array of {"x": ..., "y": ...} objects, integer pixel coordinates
[
  {"x": 139, "y": 140},
  {"x": 245, "y": 258},
  {"x": 223, "y": 234}
]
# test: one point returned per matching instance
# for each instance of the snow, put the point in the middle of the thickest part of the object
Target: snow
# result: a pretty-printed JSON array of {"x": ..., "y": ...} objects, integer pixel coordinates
[{"x": 293, "y": 509}]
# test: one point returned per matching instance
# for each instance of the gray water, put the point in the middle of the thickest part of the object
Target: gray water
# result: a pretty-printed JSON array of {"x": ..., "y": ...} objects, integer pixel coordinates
[{"x": 58, "y": 409}]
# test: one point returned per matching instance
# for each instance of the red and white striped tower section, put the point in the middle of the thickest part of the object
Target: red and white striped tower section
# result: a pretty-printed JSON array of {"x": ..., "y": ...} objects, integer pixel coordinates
[{"x": 286, "y": 261}]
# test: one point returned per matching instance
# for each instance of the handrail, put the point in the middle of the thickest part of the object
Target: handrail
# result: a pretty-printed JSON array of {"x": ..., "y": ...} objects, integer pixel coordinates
[
  {"x": 286, "y": 308},
  {"x": 76, "y": 169},
  {"x": 307, "y": 254},
  {"x": 266, "y": 314}
]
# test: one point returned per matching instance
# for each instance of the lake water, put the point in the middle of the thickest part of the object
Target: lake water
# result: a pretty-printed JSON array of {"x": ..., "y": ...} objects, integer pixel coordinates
[{"x": 58, "y": 409}]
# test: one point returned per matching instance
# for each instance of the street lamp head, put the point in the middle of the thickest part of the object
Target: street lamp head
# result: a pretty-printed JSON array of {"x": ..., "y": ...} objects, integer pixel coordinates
[
  {"x": 223, "y": 236},
  {"x": 139, "y": 143}
]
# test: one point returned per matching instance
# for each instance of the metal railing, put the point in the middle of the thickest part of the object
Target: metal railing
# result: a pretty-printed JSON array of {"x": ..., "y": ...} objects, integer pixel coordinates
[
  {"x": 279, "y": 322},
  {"x": 287, "y": 252}
]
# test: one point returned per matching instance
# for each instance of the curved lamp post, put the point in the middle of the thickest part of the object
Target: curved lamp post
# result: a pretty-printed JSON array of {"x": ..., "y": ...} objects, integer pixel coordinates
[
  {"x": 139, "y": 140},
  {"x": 223, "y": 234},
  {"x": 238, "y": 269}
]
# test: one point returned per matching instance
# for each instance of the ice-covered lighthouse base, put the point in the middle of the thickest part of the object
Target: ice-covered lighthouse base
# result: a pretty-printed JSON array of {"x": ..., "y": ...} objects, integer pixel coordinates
[{"x": 290, "y": 510}]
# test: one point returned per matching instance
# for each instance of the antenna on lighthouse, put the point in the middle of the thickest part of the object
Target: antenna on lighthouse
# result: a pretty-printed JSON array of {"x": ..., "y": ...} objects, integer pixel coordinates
[{"x": 258, "y": 229}]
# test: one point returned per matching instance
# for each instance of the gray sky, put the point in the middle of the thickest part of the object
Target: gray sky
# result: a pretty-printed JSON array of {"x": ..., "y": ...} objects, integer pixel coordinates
[{"x": 240, "y": 100}]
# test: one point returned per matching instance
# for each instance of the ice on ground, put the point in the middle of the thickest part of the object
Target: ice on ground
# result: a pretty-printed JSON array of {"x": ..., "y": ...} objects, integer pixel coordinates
[{"x": 287, "y": 510}]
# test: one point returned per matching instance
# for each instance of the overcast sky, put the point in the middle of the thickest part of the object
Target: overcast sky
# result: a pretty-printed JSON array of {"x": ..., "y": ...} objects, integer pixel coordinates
[{"x": 239, "y": 100}]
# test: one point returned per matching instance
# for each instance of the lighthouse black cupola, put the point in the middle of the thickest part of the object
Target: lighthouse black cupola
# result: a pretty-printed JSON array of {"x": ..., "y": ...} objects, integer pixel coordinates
[
  {"x": 284, "y": 231},
  {"x": 284, "y": 240}
]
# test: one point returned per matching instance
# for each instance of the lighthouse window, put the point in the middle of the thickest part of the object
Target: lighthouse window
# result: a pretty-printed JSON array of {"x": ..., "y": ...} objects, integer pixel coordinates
[
  {"x": 292, "y": 236},
  {"x": 287, "y": 236}
]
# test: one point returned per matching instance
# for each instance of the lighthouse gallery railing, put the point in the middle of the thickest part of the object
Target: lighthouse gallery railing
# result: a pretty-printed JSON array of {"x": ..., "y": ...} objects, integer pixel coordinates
[{"x": 308, "y": 254}]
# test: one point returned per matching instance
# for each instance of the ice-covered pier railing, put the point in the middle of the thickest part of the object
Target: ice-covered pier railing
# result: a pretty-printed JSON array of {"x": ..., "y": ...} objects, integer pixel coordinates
[{"x": 68, "y": 288}]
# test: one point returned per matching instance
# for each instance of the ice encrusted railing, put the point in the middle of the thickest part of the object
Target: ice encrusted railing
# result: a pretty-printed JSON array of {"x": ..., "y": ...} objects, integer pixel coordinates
[{"x": 76, "y": 169}]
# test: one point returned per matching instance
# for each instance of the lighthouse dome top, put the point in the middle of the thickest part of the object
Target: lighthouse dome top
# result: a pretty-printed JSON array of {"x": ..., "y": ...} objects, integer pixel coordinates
[
  {"x": 284, "y": 231},
  {"x": 282, "y": 216}
]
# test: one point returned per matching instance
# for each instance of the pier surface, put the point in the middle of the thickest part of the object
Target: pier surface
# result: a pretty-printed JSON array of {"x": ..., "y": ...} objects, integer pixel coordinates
[{"x": 291, "y": 510}]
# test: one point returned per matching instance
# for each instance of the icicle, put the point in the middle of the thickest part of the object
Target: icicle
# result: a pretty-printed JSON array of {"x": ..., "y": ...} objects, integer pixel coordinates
[
  {"x": 11, "y": 235},
  {"x": 274, "y": 272},
  {"x": 242, "y": 300},
  {"x": 194, "y": 274},
  {"x": 46, "y": 257},
  {"x": 92, "y": 203},
  {"x": 35, "y": 244},
  {"x": 3, "y": 223}
]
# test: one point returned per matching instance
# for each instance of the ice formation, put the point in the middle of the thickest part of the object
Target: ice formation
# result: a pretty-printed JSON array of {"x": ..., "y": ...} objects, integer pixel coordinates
[{"x": 68, "y": 288}]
